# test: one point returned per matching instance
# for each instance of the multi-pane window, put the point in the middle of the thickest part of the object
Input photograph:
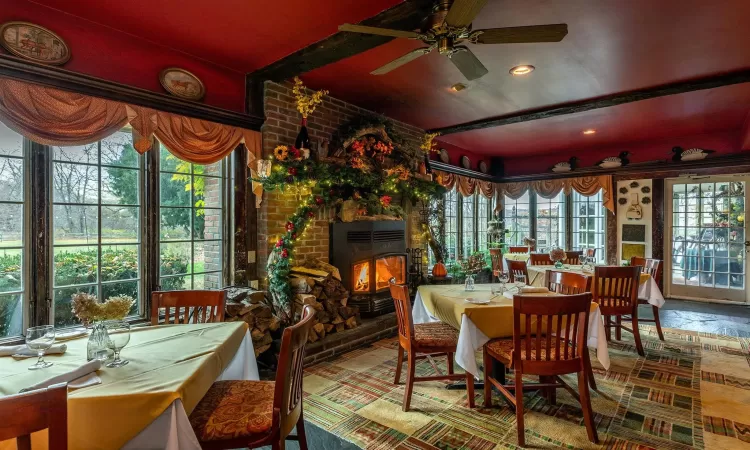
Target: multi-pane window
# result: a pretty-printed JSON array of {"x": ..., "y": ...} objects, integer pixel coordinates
[
  {"x": 96, "y": 220},
  {"x": 12, "y": 249},
  {"x": 468, "y": 217},
  {"x": 517, "y": 219},
  {"x": 484, "y": 212},
  {"x": 191, "y": 228},
  {"x": 589, "y": 224},
  {"x": 451, "y": 225},
  {"x": 550, "y": 222}
]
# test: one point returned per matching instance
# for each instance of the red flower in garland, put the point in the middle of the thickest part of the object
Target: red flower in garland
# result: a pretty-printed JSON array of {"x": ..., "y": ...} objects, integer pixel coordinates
[
  {"x": 294, "y": 235},
  {"x": 311, "y": 214},
  {"x": 386, "y": 200},
  {"x": 294, "y": 152},
  {"x": 292, "y": 171},
  {"x": 319, "y": 200},
  {"x": 289, "y": 226},
  {"x": 284, "y": 253},
  {"x": 279, "y": 243}
]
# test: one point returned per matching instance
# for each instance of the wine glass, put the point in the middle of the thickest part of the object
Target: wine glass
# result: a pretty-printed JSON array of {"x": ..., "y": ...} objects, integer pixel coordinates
[
  {"x": 504, "y": 277},
  {"x": 520, "y": 281},
  {"x": 119, "y": 336},
  {"x": 39, "y": 339}
]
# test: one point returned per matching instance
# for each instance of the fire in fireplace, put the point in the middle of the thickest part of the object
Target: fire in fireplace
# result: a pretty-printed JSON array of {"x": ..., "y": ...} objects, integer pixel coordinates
[{"x": 387, "y": 268}]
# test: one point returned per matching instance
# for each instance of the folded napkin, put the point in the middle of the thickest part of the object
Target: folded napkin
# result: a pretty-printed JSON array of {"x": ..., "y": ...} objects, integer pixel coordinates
[
  {"x": 23, "y": 350},
  {"x": 534, "y": 290},
  {"x": 78, "y": 377}
]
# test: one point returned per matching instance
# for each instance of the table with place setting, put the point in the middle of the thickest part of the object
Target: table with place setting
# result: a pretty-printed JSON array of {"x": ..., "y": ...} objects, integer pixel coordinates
[
  {"x": 144, "y": 399},
  {"x": 487, "y": 313}
]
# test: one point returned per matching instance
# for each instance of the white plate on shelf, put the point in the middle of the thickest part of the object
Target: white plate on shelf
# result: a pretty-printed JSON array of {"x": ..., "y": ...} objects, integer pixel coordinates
[{"x": 477, "y": 301}]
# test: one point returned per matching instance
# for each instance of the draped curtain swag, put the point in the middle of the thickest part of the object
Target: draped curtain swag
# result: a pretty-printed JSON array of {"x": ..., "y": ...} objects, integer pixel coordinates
[
  {"x": 466, "y": 186},
  {"x": 55, "y": 117},
  {"x": 587, "y": 186}
]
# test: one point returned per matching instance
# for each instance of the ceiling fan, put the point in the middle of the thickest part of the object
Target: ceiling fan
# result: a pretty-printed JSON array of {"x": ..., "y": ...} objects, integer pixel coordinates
[{"x": 449, "y": 27}]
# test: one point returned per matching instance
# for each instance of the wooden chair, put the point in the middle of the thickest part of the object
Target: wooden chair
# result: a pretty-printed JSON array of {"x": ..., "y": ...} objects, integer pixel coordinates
[
  {"x": 518, "y": 249},
  {"x": 573, "y": 258},
  {"x": 250, "y": 414},
  {"x": 420, "y": 341},
  {"x": 516, "y": 268},
  {"x": 23, "y": 414},
  {"x": 540, "y": 259},
  {"x": 545, "y": 351},
  {"x": 207, "y": 306},
  {"x": 653, "y": 267},
  {"x": 616, "y": 291},
  {"x": 496, "y": 256}
]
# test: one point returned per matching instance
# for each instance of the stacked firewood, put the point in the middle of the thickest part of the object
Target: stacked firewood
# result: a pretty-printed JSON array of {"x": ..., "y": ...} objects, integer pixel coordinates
[
  {"x": 321, "y": 287},
  {"x": 249, "y": 305}
]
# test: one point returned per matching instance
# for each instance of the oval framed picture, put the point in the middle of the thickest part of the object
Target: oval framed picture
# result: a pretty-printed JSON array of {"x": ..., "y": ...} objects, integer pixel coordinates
[
  {"x": 34, "y": 42},
  {"x": 181, "y": 83},
  {"x": 483, "y": 167},
  {"x": 444, "y": 156},
  {"x": 465, "y": 162}
]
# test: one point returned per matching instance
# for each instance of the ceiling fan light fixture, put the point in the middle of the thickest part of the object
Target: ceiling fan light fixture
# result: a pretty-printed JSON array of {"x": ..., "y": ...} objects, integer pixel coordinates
[
  {"x": 523, "y": 69},
  {"x": 589, "y": 132},
  {"x": 458, "y": 87}
]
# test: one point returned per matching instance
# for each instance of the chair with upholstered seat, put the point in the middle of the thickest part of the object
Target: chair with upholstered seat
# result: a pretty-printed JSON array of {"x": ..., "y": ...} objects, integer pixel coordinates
[
  {"x": 201, "y": 306},
  {"x": 540, "y": 259},
  {"x": 616, "y": 291},
  {"x": 573, "y": 257},
  {"x": 549, "y": 340},
  {"x": 23, "y": 414},
  {"x": 240, "y": 414},
  {"x": 516, "y": 268},
  {"x": 653, "y": 267},
  {"x": 423, "y": 340}
]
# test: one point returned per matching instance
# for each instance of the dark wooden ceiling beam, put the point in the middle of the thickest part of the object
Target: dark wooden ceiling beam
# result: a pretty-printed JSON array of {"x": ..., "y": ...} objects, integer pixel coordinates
[
  {"x": 404, "y": 16},
  {"x": 679, "y": 87}
]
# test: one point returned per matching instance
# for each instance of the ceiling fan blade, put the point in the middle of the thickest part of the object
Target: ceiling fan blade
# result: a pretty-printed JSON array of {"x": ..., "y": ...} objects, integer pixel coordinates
[
  {"x": 398, "y": 62},
  {"x": 469, "y": 64},
  {"x": 379, "y": 31},
  {"x": 520, "y": 35},
  {"x": 463, "y": 12}
]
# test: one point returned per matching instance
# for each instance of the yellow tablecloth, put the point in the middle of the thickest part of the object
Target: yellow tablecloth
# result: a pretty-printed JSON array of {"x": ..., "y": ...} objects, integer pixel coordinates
[
  {"x": 538, "y": 274},
  {"x": 447, "y": 303},
  {"x": 167, "y": 363}
]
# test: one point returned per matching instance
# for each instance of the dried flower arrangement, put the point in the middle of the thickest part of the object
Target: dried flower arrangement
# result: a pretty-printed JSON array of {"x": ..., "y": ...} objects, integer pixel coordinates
[
  {"x": 473, "y": 264},
  {"x": 88, "y": 309},
  {"x": 426, "y": 144},
  {"x": 557, "y": 254},
  {"x": 306, "y": 104}
]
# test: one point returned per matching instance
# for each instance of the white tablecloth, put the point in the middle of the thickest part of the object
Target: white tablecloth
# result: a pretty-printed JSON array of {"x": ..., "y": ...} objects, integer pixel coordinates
[
  {"x": 471, "y": 339},
  {"x": 172, "y": 430},
  {"x": 651, "y": 292}
]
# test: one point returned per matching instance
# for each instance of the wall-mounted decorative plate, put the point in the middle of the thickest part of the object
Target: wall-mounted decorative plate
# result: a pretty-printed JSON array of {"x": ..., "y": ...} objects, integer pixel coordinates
[
  {"x": 34, "y": 42},
  {"x": 181, "y": 83},
  {"x": 444, "y": 156},
  {"x": 465, "y": 162},
  {"x": 483, "y": 167}
]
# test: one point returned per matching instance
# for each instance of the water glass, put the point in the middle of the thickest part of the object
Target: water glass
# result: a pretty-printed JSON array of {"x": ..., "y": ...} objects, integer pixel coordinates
[
  {"x": 520, "y": 281},
  {"x": 119, "y": 336},
  {"x": 39, "y": 339}
]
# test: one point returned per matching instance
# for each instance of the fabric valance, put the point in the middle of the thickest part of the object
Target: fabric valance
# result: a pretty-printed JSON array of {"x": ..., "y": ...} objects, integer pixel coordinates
[
  {"x": 466, "y": 186},
  {"x": 587, "y": 186},
  {"x": 52, "y": 116}
]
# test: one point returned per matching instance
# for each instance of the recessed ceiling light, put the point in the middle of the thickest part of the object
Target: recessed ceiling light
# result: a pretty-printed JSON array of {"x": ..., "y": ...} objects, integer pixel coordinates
[
  {"x": 589, "y": 131},
  {"x": 458, "y": 87},
  {"x": 521, "y": 70}
]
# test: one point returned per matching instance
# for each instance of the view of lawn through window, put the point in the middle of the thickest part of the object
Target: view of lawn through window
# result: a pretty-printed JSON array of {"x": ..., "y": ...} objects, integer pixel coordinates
[{"x": 12, "y": 282}]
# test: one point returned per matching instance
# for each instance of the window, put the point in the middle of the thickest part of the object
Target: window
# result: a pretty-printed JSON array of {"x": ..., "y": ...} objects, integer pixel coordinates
[
  {"x": 468, "y": 218},
  {"x": 517, "y": 219},
  {"x": 550, "y": 222},
  {"x": 589, "y": 224},
  {"x": 484, "y": 213},
  {"x": 451, "y": 225},
  {"x": 96, "y": 222},
  {"x": 13, "y": 298},
  {"x": 191, "y": 229}
]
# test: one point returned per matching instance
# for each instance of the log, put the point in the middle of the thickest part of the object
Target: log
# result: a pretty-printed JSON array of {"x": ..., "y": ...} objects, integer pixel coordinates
[
  {"x": 263, "y": 323},
  {"x": 261, "y": 349},
  {"x": 323, "y": 316},
  {"x": 329, "y": 327},
  {"x": 320, "y": 330},
  {"x": 275, "y": 323},
  {"x": 350, "y": 323},
  {"x": 340, "y": 327},
  {"x": 312, "y": 336},
  {"x": 249, "y": 318},
  {"x": 257, "y": 335}
]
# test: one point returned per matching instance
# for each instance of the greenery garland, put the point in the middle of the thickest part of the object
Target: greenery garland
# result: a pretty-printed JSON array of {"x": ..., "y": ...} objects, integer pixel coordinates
[{"x": 329, "y": 184}]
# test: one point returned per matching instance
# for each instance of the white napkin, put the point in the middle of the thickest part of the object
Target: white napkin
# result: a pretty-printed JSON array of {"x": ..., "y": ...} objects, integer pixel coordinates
[
  {"x": 80, "y": 376},
  {"x": 534, "y": 290},
  {"x": 23, "y": 350}
]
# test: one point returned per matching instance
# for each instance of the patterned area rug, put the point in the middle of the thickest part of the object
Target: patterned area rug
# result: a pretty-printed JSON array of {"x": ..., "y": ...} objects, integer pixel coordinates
[{"x": 692, "y": 391}]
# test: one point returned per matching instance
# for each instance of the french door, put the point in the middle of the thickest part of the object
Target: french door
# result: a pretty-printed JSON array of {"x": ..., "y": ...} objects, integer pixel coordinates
[{"x": 706, "y": 254}]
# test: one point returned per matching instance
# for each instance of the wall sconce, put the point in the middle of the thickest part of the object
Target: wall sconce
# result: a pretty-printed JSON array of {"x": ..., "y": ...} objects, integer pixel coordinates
[{"x": 264, "y": 168}]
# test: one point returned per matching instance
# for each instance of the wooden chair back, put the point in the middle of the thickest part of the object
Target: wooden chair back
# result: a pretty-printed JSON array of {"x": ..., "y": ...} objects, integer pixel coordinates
[
  {"x": 33, "y": 411},
  {"x": 496, "y": 256},
  {"x": 518, "y": 249},
  {"x": 590, "y": 252},
  {"x": 540, "y": 259},
  {"x": 650, "y": 266},
  {"x": 202, "y": 306},
  {"x": 400, "y": 294},
  {"x": 568, "y": 283},
  {"x": 616, "y": 289},
  {"x": 573, "y": 258},
  {"x": 516, "y": 268},
  {"x": 287, "y": 398},
  {"x": 559, "y": 325}
]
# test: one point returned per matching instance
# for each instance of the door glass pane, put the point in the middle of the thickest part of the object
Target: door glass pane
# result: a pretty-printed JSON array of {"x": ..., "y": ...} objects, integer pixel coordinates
[
  {"x": 589, "y": 224},
  {"x": 517, "y": 219}
]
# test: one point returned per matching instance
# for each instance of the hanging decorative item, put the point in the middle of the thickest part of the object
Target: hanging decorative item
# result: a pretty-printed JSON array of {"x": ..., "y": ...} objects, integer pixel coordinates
[
  {"x": 613, "y": 162},
  {"x": 483, "y": 167},
  {"x": 622, "y": 201},
  {"x": 181, "y": 83},
  {"x": 692, "y": 154},
  {"x": 34, "y": 42},
  {"x": 465, "y": 162},
  {"x": 645, "y": 189},
  {"x": 634, "y": 185},
  {"x": 427, "y": 139},
  {"x": 646, "y": 200},
  {"x": 444, "y": 156},
  {"x": 623, "y": 190},
  {"x": 565, "y": 166},
  {"x": 635, "y": 211}
]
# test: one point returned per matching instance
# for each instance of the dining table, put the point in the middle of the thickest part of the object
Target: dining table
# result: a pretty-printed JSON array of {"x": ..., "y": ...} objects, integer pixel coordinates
[
  {"x": 648, "y": 289},
  {"x": 478, "y": 323},
  {"x": 146, "y": 403}
]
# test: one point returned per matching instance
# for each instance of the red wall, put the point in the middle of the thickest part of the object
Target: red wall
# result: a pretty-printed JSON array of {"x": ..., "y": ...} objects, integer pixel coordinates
[
  {"x": 116, "y": 56},
  {"x": 723, "y": 142}
]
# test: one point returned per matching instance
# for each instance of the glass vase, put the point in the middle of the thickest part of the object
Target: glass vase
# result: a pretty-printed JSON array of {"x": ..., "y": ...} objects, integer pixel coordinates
[
  {"x": 469, "y": 284},
  {"x": 99, "y": 345},
  {"x": 558, "y": 264}
]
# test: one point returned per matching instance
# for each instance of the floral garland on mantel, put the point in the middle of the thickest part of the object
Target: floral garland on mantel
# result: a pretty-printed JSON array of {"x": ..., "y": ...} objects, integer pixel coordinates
[{"x": 374, "y": 167}]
